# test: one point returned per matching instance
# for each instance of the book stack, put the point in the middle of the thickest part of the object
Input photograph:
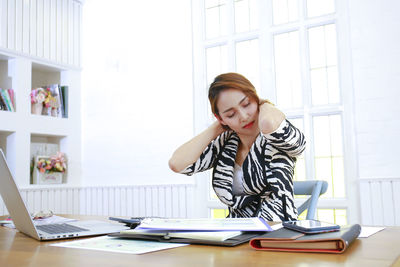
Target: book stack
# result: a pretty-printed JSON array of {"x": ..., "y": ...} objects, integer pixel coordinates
[{"x": 7, "y": 100}]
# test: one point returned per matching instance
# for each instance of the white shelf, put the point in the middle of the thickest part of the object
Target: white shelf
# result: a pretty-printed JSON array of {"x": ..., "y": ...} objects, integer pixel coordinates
[
  {"x": 49, "y": 125},
  {"x": 21, "y": 128},
  {"x": 45, "y": 55},
  {"x": 8, "y": 120}
]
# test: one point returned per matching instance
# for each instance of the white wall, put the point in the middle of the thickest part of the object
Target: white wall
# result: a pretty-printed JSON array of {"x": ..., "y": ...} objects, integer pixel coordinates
[
  {"x": 136, "y": 90},
  {"x": 375, "y": 43},
  {"x": 147, "y": 71}
]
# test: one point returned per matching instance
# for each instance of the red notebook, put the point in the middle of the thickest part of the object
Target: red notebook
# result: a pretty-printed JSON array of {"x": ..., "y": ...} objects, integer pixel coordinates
[{"x": 284, "y": 239}]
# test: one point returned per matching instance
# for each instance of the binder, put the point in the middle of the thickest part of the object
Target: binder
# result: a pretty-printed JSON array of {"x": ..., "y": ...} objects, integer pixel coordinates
[
  {"x": 230, "y": 242},
  {"x": 220, "y": 232},
  {"x": 288, "y": 240}
]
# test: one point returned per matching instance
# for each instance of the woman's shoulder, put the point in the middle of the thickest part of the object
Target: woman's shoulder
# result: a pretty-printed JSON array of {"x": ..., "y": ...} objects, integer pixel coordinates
[
  {"x": 227, "y": 135},
  {"x": 227, "y": 139}
]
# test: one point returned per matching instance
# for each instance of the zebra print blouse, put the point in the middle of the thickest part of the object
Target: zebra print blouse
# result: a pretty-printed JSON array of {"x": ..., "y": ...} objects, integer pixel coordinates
[{"x": 267, "y": 172}]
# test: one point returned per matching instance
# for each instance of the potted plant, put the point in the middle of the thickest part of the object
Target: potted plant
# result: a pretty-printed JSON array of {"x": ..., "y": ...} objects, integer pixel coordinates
[{"x": 49, "y": 170}]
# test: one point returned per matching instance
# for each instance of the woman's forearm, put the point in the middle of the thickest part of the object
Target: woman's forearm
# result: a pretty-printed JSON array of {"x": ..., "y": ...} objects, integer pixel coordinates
[{"x": 189, "y": 152}]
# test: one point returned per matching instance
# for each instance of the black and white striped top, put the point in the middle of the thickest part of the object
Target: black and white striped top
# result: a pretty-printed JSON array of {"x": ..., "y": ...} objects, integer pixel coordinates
[{"x": 267, "y": 172}]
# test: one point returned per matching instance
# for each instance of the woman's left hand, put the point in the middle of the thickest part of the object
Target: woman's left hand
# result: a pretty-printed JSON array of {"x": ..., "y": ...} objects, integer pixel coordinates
[{"x": 269, "y": 118}]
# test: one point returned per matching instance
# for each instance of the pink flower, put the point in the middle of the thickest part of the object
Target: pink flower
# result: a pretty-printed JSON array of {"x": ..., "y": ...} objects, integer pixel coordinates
[
  {"x": 56, "y": 163},
  {"x": 38, "y": 95},
  {"x": 40, "y": 98}
]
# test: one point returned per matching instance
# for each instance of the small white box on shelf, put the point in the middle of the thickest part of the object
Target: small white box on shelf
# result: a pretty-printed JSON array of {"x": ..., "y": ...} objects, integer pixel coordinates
[
  {"x": 43, "y": 149},
  {"x": 51, "y": 177}
]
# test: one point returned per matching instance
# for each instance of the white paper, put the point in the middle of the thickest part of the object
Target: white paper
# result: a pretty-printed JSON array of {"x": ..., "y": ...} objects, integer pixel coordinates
[
  {"x": 276, "y": 226},
  {"x": 226, "y": 224},
  {"x": 200, "y": 235},
  {"x": 367, "y": 231},
  {"x": 112, "y": 244}
]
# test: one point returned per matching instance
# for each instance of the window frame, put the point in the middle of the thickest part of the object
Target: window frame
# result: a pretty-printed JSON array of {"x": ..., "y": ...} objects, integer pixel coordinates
[{"x": 265, "y": 34}]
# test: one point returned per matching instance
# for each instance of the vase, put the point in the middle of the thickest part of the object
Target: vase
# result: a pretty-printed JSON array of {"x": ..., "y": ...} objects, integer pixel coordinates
[
  {"x": 36, "y": 108},
  {"x": 54, "y": 112},
  {"x": 47, "y": 178}
]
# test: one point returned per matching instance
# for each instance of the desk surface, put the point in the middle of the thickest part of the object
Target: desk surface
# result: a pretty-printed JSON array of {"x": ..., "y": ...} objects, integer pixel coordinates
[{"x": 16, "y": 249}]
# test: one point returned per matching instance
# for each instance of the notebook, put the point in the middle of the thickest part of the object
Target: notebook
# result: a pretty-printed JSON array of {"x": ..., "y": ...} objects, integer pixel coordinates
[
  {"x": 23, "y": 222},
  {"x": 288, "y": 240}
]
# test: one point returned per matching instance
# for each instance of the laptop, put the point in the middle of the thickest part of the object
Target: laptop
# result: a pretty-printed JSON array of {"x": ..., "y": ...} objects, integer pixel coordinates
[{"x": 24, "y": 223}]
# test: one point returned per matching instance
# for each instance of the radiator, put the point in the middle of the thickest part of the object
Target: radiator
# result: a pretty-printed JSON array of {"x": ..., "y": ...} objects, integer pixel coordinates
[
  {"x": 173, "y": 201},
  {"x": 380, "y": 201}
]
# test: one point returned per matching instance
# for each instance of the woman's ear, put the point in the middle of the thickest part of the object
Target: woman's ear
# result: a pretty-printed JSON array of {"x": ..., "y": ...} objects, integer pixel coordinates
[{"x": 219, "y": 119}]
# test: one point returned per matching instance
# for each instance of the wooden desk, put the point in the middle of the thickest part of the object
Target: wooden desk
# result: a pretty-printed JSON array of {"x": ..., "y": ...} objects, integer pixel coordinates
[{"x": 16, "y": 249}]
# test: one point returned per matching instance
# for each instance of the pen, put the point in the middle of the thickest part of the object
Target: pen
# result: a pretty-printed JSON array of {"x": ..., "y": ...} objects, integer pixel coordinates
[{"x": 132, "y": 223}]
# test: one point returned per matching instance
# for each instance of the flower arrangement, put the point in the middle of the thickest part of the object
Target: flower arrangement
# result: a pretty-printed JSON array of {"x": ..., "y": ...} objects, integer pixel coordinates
[
  {"x": 50, "y": 101},
  {"x": 44, "y": 99},
  {"x": 56, "y": 163},
  {"x": 38, "y": 95}
]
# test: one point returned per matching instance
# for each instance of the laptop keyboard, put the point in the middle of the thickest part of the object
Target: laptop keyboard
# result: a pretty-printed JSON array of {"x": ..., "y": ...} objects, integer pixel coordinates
[{"x": 60, "y": 228}]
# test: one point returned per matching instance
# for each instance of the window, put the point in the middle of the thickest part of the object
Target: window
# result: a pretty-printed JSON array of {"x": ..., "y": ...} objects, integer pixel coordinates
[
  {"x": 323, "y": 65},
  {"x": 289, "y": 50},
  {"x": 328, "y": 155},
  {"x": 246, "y": 15},
  {"x": 215, "y": 18},
  {"x": 287, "y": 70},
  {"x": 247, "y": 60}
]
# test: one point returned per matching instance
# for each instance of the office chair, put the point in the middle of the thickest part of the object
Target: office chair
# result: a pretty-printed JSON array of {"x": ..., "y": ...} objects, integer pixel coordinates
[{"x": 314, "y": 189}]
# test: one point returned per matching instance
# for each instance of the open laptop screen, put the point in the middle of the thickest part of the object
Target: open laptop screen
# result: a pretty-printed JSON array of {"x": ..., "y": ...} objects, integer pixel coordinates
[{"x": 13, "y": 200}]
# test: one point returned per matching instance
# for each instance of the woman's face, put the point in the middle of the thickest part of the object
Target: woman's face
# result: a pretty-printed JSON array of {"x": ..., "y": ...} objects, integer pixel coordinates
[{"x": 238, "y": 111}]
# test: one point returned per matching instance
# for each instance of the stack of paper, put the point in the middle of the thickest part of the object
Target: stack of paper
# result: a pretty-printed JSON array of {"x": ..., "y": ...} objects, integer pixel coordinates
[
  {"x": 223, "y": 232},
  {"x": 199, "y": 235},
  {"x": 225, "y": 224}
]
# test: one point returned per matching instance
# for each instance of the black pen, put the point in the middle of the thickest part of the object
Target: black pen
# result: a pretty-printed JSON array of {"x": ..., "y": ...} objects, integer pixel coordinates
[{"x": 127, "y": 221}]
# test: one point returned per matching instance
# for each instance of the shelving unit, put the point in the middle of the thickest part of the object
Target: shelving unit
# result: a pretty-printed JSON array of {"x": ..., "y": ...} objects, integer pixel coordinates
[
  {"x": 21, "y": 128},
  {"x": 40, "y": 45}
]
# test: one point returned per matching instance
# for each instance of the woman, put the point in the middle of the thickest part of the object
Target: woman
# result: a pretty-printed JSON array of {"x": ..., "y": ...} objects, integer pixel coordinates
[{"x": 252, "y": 149}]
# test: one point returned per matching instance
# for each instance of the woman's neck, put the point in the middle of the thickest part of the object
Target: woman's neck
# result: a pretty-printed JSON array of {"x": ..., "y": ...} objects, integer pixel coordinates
[{"x": 246, "y": 141}]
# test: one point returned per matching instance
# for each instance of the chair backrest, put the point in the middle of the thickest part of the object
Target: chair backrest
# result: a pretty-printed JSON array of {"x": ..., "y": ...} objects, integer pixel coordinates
[{"x": 314, "y": 189}]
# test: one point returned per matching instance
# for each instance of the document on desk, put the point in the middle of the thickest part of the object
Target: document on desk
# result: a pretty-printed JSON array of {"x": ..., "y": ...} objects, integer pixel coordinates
[
  {"x": 197, "y": 235},
  {"x": 111, "y": 244},
  {"x": 367, "y": 231},
  {"x": 225, "y": 224}
]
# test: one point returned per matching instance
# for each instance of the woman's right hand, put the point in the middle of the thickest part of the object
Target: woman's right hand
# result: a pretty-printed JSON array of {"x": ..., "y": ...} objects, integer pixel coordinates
[
  {"x": 217, "y": 127},
  {"x": 189, "y": 152}
]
